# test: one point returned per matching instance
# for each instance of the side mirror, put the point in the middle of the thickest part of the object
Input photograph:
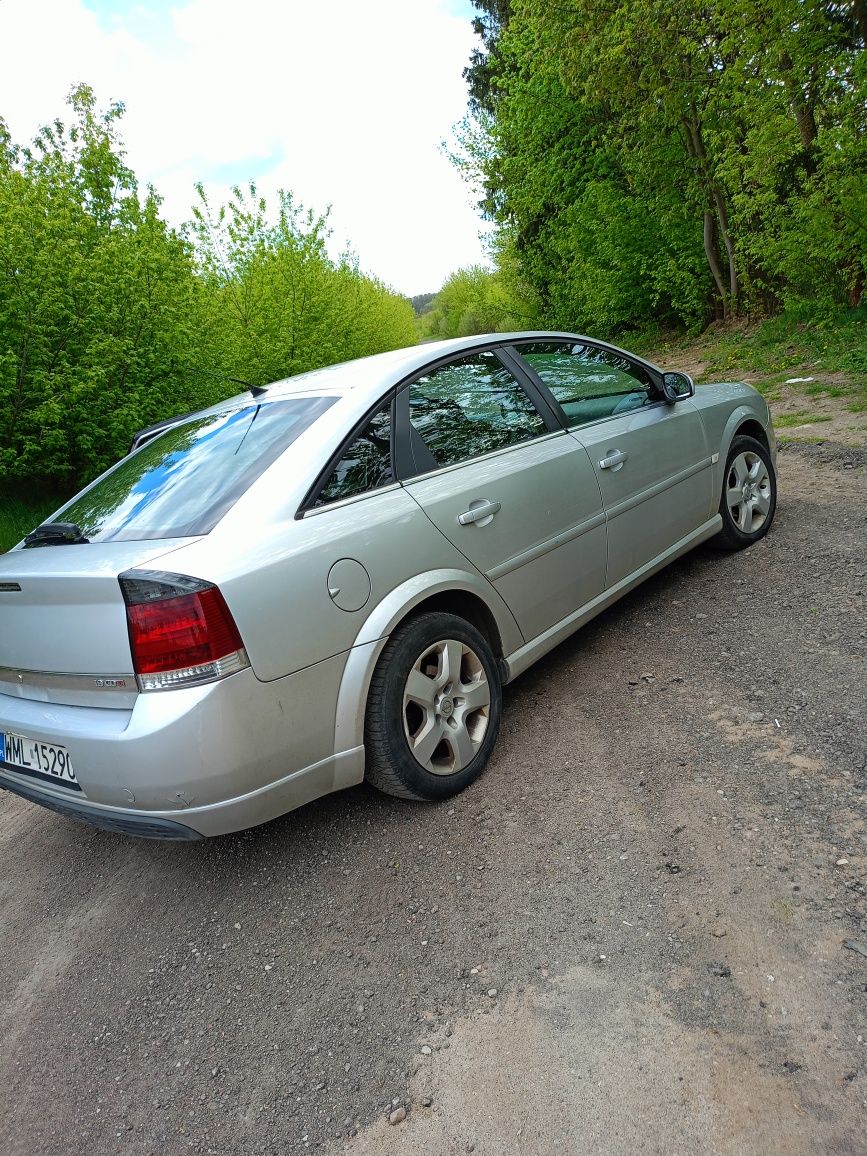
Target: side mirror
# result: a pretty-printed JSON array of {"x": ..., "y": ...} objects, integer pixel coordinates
[{"x": 676, "y": 386}]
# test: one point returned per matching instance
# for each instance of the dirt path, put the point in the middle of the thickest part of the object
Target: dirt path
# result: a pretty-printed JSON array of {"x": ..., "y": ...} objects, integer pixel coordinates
[
  {"x": 656, "y": 879},
  {"x": 807, "y": 404}
]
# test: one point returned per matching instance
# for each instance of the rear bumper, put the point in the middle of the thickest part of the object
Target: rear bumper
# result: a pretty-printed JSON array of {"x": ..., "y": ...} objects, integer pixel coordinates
[
  {"x": 259, "y": 806},
  {"x": 211, "y": 759},
  {"x": 124, "y": 822}
]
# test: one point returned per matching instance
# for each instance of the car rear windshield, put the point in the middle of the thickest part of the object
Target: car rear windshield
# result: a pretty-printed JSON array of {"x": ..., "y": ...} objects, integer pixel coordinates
[{"x": 183, "y": 481}]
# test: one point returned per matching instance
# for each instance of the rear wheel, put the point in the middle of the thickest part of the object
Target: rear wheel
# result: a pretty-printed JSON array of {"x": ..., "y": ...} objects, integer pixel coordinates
[
  {"x": 433, "y": 710},
  {"x": 749, "y": 494}
]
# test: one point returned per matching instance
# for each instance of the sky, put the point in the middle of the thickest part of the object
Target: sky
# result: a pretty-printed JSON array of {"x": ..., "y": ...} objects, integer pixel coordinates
[{"x": 344, "y": 103}]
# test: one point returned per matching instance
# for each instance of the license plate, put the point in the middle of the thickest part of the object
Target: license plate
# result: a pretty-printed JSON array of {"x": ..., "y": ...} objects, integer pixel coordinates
[{"x": 33, "y": 757}]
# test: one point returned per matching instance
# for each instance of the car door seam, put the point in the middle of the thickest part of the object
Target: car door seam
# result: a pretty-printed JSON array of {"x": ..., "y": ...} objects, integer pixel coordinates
[
  {"x": 658, "y": 488},
  {"x": 542, "y": 548},
  {"x": 408, "y": 489}
]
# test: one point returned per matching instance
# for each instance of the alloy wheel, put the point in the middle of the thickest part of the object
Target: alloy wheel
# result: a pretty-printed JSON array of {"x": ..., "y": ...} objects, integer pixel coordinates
[
  {"x": 446, "y": 707},
  {"x": 748, "y": 492}
]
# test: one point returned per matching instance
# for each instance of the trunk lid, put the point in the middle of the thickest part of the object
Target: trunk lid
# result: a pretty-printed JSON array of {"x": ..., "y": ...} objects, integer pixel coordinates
[{"x": 63, "y": 626}]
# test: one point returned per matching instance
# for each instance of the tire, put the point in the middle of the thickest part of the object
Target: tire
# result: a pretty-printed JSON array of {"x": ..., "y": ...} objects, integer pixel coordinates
[
  {"x": 749, "y": 494},
  {"x": 425, "y": 739}
]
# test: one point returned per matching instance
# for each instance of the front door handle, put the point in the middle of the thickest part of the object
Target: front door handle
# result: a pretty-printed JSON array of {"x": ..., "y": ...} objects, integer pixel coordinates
[
  {"x": 614, "y": 460},
  {"x": 481, "y": 512}
]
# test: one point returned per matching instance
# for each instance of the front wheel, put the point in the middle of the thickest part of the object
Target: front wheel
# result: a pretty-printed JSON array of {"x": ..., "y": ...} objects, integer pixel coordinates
[
  {"x": 433, "y": 711},
  {"x": 749, "y": 494}
]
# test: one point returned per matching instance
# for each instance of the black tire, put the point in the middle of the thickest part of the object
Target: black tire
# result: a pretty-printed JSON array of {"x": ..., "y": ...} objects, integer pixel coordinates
[
  {"x": 390, "y": 763},
  {"x": 734, "y": 535}
]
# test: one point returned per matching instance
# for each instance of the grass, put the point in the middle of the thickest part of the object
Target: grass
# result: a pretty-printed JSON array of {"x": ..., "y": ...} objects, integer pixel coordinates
[
  {"x": 781, "y": 420},
  {"x": 816, "y": 387},
  {"x": 793, "y": 344},
  {"x": 779, "y": 347},
  {"x": 826, "y": 354},
  {"x": 18, "y": 517}
]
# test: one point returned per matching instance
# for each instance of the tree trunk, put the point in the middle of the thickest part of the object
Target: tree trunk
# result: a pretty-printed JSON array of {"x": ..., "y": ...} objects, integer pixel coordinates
[
  {"x": 801, "y": 109},
  {"x": 710, "y": 251},
  {"x": 722, "y": 214},
  {"x": 856, "y": 293},
  {"x": 714, "y": 226},
  {"x": 804, "y": 118}
]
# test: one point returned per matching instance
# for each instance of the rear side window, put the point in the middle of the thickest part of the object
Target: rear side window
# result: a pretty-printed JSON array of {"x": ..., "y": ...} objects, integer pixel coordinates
[
  {"x": 185, "y": 480},
  {"x": 365, "y": 465},
  {"x": 471, "y": 407},
  {"x": 589, "y": 383}
]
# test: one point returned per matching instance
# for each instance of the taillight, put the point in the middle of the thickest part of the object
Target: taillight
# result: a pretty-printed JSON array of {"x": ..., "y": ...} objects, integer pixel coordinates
[{"x": 181, "y": 631}]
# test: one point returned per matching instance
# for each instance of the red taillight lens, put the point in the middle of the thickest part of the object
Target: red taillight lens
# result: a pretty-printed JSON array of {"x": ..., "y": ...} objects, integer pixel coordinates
[{"x": 180, "y": 632}]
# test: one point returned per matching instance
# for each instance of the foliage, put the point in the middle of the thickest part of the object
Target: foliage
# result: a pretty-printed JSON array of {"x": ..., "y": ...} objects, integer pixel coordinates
[
  {"x": 111, "y": 320},
  {"x": 793, "y": 342},
  {"x": 97, "y": 298},
  {"x": 668, "y": 161},
  {"x": 421, "y": 303},
  {"x": 276, "y": 304},
  {"x": 19, "y": 516},
  {"x": 476, "y": 300}
]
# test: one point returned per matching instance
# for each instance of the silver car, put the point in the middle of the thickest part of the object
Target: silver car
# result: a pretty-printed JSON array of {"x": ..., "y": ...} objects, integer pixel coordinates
[{"x": 331, "y": 579}]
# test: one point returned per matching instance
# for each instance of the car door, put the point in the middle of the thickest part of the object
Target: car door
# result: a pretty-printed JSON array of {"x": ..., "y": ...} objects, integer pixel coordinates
[
  {"x": 650, "y": 457},
  {"x": 486, "y": 461}
]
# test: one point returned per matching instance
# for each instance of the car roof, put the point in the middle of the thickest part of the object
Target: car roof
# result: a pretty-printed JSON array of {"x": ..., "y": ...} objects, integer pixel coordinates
[
  {"x": 374, "y": 374},
  {"x": 361, "y": 381},
  {"x": 378, "y": 371}
]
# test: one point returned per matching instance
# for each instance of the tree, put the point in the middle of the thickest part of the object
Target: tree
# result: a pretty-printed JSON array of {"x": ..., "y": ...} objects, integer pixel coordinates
[
  {"x": 111, "y": 320},
  {"x": 97, "y": 301},
  {"x": 621, "y": 145},
  {"x": 277, "y": 304},
  {"x": 475, "y": 300}
]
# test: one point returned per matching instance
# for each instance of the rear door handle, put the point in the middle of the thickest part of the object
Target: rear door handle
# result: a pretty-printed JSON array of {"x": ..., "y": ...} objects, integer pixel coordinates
[
  {"x": 614, "y": 460},
  {"x": 479, "y": 511}
]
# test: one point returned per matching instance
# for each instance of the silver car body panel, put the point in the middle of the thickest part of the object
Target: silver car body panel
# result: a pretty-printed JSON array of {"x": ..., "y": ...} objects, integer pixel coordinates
[
  {"x": 543, "y": 548},
  {"x": 207, "y": 756},
  {"x": 532, "y": 651},
  {"x": 67, "y": 622},
  {"x": 661, "y": 491},
  {"x": 245, "y": 749},
  {"x": 279, "y": 584}
]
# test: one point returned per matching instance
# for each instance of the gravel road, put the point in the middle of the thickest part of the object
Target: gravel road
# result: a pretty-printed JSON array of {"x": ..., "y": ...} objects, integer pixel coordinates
[{"x": 629, "y": 936}]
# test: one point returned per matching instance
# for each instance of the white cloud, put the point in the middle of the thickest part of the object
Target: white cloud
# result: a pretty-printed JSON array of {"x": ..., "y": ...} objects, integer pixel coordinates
[{"x": 343, "y": 103}]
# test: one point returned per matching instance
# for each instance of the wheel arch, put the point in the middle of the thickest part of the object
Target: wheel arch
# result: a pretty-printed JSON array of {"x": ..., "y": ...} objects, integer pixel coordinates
[
  {"x": 752, "y": 427},
  {"x": 733, "y": 536},
  {"x": 742, "y": 420},
  {"x": 467, "y": 605},
  {"x": 455, "y": 591}
]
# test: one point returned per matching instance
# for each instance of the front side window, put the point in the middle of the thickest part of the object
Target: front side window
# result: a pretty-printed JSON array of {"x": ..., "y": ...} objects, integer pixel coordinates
[
  {"x": 184, "y": 480},
  {"x": 589, "y": 383},
  {"x": 365, "y": 465},
  {"x": 468, "y": 408}
]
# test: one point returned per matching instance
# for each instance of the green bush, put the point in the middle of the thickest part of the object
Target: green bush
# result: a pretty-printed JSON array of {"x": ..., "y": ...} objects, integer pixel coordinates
[{"x": 111, "y": 320}]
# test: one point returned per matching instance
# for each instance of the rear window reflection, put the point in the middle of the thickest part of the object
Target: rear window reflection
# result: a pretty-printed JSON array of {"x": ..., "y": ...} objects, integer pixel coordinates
[{"x": 185, "y": 480}]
